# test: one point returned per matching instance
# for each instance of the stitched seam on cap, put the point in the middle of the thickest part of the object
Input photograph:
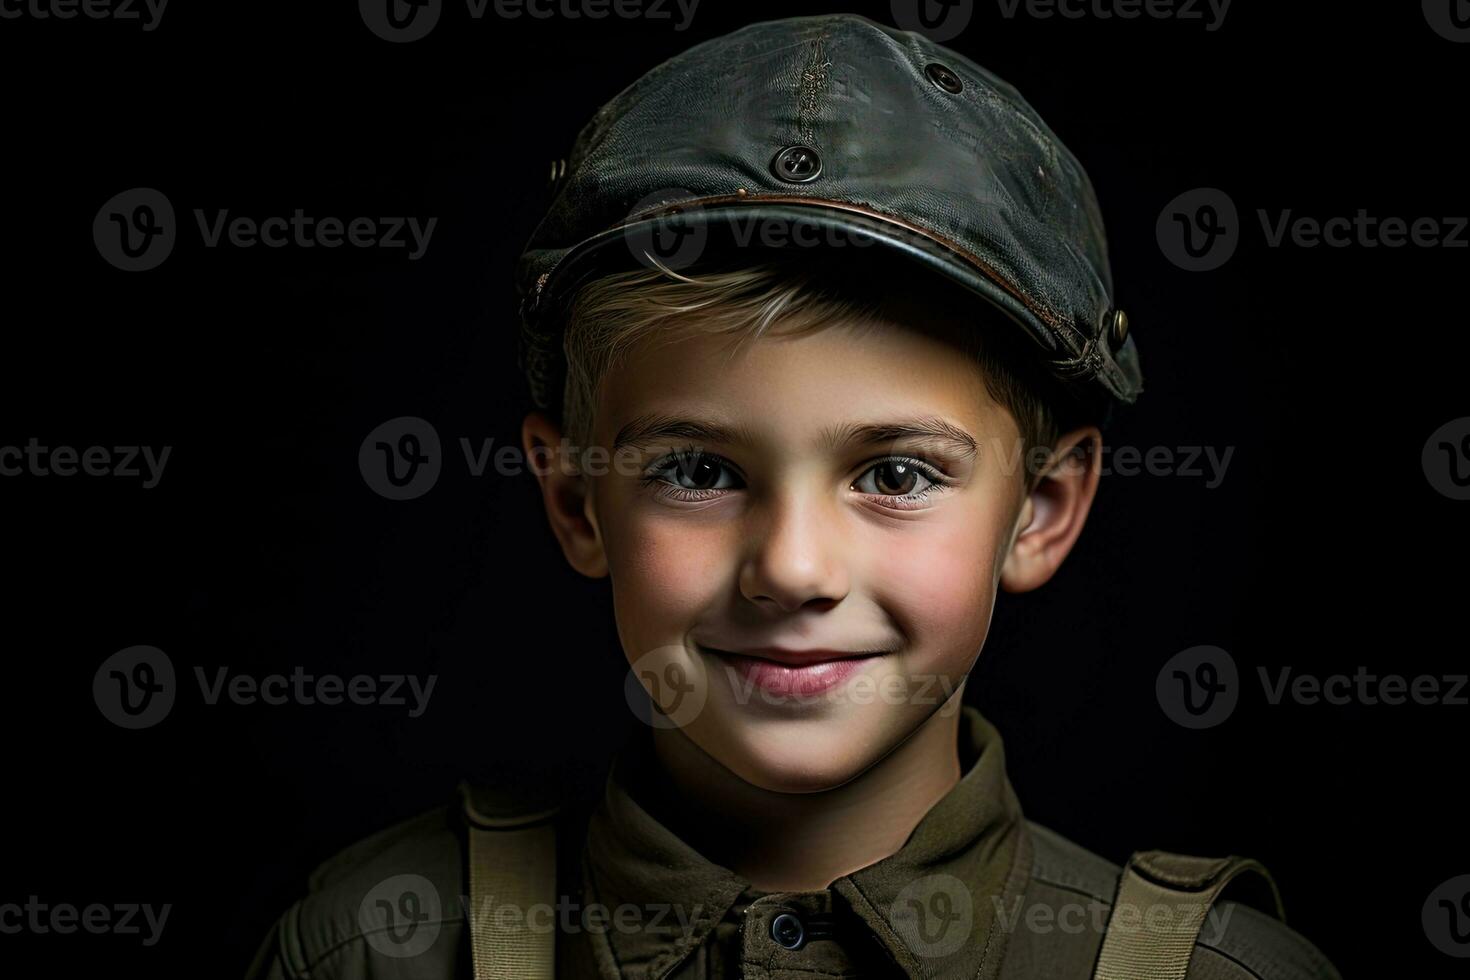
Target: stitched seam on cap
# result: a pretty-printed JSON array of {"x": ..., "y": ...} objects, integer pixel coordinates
[{"x": 813, "y": 78}]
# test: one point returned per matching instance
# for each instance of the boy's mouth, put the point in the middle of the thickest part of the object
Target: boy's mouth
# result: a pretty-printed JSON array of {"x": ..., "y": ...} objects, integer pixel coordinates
[{"x": 794, "y": 673}]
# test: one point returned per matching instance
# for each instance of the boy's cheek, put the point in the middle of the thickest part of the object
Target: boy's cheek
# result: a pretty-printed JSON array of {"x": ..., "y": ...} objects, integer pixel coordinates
[
  {"x": 663, "y": 574},
  {"x": 941, "y": 592}
]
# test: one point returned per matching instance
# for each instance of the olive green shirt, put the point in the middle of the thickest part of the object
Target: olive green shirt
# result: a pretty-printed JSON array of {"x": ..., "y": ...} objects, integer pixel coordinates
[
  {"x": 976, "y": 891},
  {"x": 925, "y": 908}
]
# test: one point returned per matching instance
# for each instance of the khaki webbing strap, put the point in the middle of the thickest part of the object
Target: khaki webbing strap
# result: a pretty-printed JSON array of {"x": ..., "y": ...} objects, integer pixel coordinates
[
  {"x": 512, "y": 895},
  {"x": 1161, "y": 905}
]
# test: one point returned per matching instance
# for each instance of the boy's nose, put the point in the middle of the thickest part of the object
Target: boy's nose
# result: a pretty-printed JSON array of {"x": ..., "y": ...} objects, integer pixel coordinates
[{"x": 794, "y": 556}]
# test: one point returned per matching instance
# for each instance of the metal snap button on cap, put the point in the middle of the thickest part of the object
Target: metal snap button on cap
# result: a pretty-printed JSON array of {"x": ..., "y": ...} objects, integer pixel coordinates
[
  {"x": 788, "y": 931},
  {"x": 1118, "y": 329},
  {"x": 941, "y": 75},
  {"x": 797, "y": 164}
]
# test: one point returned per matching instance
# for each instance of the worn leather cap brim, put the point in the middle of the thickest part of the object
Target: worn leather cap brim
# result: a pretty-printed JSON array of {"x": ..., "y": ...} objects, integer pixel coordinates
[{"x": 679, "y": 237}]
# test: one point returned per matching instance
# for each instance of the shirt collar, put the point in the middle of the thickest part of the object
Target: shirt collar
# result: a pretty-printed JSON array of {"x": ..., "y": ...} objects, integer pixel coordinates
[{"x": 932, "y": 905}]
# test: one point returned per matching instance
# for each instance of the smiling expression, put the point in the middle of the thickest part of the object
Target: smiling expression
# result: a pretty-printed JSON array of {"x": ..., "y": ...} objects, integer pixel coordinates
[{"x": 808, "y": 540}]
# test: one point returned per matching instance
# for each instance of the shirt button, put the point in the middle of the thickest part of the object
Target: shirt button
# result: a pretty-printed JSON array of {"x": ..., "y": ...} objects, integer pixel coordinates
[{"x": 788, "y": 931}]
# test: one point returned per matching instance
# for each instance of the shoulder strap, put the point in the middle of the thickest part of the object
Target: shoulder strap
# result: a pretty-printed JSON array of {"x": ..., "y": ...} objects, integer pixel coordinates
[
  {"x": 1161, "y": 904},
  {"x": 512, "y": 870}
]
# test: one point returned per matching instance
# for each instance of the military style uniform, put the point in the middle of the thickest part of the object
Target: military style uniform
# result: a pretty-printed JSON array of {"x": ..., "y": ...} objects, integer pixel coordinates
[{"x": 976, "y": 891}]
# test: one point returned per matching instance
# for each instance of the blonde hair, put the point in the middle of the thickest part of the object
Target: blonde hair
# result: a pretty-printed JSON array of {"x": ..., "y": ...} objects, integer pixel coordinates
[{"x": 609, "y": 315}]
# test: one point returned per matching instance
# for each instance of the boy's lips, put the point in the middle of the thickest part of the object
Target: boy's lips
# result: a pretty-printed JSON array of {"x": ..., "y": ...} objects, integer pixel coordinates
[
  {"x": 799, "y": 658},
  {"x": 790, "y": 672},
  {"x": 793, "y": 657}
]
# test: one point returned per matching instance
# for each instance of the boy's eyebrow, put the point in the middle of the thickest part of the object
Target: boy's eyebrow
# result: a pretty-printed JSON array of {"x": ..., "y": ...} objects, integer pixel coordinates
[
  {"x": 656, "y": 428},
  {"x": 930, "y": 429}
]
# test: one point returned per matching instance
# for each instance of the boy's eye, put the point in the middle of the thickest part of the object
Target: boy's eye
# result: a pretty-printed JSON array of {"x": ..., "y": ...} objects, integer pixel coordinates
[
  {"x": 895, "y": 477},
  {"x": 695, "y": 471}
]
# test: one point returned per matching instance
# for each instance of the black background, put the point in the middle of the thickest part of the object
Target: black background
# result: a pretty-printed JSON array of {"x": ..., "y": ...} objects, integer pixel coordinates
[{"x": 1325, "y": 548}]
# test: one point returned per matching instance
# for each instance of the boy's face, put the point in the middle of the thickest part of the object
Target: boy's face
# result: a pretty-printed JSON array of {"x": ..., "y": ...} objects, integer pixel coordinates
[{"x": 801, "y": 593}]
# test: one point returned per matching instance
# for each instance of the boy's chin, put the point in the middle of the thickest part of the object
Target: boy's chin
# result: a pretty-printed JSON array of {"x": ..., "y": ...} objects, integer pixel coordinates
[{"x": 779, "y": 760}]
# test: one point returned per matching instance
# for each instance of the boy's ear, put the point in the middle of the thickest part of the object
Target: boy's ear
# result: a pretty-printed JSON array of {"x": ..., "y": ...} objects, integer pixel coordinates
[
  {"x": 1054, "y": 511},
  {"x": 566, "y": 493}
]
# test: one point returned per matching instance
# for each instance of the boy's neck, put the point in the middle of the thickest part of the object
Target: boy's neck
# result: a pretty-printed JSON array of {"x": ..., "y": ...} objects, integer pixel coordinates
[{"x": 792, "y": 842}]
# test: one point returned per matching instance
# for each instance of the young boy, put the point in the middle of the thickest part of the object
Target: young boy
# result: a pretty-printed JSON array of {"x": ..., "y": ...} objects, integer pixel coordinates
[{"x": 821, "y": 336}]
